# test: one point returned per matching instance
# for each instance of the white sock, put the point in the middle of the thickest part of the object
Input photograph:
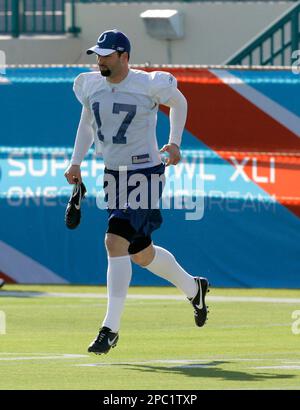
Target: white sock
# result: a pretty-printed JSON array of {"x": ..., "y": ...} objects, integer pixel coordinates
[
  {"x": 165, "y": 265},
  {"x": 119, "y": 272}
]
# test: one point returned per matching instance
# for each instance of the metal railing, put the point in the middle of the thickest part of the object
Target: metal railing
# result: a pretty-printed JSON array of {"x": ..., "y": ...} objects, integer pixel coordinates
[
  {"x": 275, "y": 45},
  {"x": 5, "y": 16},
  {"x": 184, "y": 1},
  {"x": 42, "y": 16},
  {"x": 35, "y": 17}
]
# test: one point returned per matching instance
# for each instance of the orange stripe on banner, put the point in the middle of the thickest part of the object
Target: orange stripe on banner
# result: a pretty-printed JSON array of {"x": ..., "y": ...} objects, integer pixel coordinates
[
  {"x": 223, "y": 119},
  {"x": 7, "y": 279}
]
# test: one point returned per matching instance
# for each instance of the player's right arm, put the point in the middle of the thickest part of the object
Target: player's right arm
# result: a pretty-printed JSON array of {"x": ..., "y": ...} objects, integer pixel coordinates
[
  {"x": 83, "y": 142},
  {"x": 84, "y": 137}
]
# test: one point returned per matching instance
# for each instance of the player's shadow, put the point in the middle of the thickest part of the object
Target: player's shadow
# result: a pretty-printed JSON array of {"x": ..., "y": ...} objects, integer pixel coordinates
[{"x": 210, "y": 369}]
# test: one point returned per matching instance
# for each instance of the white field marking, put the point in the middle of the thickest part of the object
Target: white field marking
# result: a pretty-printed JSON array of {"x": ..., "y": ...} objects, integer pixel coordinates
[
  {"x": 254, "y": 299},
  {"x": 41, "y": 357},
  {"x": 184, "y": 362},
  {"x": 24, "y": 353},
  {"x": 291, "y": 361},
  {"x": 171, "y": 361}
]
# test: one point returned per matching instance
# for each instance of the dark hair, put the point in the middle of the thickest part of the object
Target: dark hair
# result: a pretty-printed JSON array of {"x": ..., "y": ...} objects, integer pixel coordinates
[{"x": 122, "y": 52}]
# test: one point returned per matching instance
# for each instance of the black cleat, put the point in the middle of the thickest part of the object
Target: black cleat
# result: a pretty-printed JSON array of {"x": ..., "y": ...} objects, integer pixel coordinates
[
  {"x": 104, "y": 341},
  {"x": 2, "y": 282},
  {"x": 198, "y": 302},
  {"x": 73, "y": 212}
]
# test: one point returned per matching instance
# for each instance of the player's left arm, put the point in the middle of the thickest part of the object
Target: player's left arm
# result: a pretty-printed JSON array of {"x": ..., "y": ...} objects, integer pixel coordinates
[{"x": 177, "y": 116}]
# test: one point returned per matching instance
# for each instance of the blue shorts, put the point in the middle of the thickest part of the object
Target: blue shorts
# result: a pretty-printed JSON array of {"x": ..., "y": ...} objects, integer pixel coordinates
[{"x": 131, "y": 188}]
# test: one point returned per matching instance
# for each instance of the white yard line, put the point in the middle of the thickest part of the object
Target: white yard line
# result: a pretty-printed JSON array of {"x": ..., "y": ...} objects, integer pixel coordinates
[
  {"x": 191, "y": 363},
  {"x": 39, "y": 356},
  {"x": 278, "y": 363},
  {"x": 247, "y": 299}
]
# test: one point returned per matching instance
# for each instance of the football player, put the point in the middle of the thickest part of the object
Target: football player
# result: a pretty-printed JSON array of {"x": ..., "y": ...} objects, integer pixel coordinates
[{"x": 119, "y": 115}]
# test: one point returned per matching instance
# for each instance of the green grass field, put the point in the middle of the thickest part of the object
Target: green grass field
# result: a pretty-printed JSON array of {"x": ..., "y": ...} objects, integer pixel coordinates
[{"x": 246, "y": 343}]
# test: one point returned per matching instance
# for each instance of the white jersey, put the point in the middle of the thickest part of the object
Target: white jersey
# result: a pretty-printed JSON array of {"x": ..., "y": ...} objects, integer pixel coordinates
[{"x": 124, "y": 115}]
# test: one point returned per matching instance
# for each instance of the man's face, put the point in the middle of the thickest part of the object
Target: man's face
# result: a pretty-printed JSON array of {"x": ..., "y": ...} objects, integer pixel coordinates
[{"x": 109, "y": 65}]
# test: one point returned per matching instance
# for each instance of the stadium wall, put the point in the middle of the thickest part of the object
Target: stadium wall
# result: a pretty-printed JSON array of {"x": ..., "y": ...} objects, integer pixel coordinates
[
  {"x": 213, "y": 32},
  {"x": 241, "y": 139}
]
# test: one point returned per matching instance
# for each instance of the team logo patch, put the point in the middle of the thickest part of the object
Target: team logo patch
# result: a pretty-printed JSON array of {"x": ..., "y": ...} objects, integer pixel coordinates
[{"x": 103, "y": 39}]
